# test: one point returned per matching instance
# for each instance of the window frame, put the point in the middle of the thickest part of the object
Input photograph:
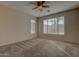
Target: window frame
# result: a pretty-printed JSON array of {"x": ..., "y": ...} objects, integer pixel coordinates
[{"x": 57, "y": 26}]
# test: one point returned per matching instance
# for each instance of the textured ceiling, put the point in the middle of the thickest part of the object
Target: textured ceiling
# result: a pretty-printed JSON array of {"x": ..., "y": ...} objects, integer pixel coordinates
[{"x": 55, "y": 6}]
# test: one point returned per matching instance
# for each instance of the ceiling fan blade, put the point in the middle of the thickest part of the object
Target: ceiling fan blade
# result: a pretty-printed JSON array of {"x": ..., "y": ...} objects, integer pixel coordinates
[
  {"x": 43, "y": 2},
  {"x": 46, "y": 6},
  {"x": 34, "y": 8},
  {"x": 38, "y": 3}
]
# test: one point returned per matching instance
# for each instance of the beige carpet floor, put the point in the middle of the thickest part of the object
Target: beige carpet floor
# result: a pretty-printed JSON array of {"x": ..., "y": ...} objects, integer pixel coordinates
[{"x": 40, "y": 48}]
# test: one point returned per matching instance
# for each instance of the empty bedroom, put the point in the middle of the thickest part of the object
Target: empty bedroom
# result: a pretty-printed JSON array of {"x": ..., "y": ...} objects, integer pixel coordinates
[{"x": 39, "y": 28}]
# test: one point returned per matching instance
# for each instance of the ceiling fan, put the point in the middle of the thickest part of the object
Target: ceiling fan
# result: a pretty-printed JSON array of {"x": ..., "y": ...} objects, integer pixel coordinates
[{"x": 40, "y": 5}]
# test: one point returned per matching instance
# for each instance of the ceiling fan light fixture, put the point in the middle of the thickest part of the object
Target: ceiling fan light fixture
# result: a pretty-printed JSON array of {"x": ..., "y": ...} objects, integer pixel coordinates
[
  {"x": 40, "y": 8},
  {"x": 40, "y": 5}
]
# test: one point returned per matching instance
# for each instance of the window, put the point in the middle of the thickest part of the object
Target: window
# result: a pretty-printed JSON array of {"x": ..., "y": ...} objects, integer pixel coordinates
[
  {"x": 54, "y": 26},
  {"x": 61, "y": 25},
  {"x": 45, "y": 26},
  {"x": 33, "y": 25}
]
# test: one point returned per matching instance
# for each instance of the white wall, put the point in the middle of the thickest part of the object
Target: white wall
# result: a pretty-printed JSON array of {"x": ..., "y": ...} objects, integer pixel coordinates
[
  {"x": 71, "y": 27},
  {"x": 14, "y": 26}
]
